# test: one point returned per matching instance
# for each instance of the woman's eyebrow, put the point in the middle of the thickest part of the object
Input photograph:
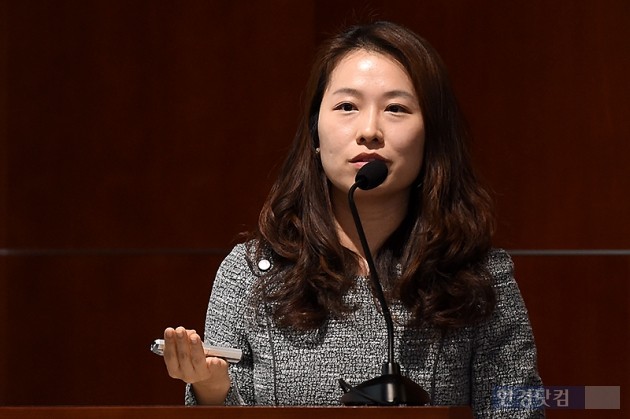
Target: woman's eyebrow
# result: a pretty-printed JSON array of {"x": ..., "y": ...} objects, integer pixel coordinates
[
  {"x": 347, "y": 91},
  {"x": 400, "y": 93},
  {"x": 390, "y": 94}
]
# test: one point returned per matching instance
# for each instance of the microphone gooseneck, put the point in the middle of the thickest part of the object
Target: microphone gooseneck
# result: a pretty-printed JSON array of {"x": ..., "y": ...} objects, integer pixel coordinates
[
  {"x": 391, "y": 388},
  {"x": 368, "y": 177}
]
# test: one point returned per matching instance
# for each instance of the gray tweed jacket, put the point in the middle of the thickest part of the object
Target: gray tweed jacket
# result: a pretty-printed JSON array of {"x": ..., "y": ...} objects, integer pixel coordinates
[{"x": 461, "y": 367}]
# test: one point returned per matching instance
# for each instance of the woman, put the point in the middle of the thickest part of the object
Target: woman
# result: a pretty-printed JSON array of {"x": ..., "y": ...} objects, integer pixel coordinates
[{"x": 296, "y": 298}]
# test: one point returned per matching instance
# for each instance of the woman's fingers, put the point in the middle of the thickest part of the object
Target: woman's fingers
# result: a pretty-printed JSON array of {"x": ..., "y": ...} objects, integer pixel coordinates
[
  {"x": 184, "y": 355},
  {"x": 176, "y": 352},
  {"x": 197, "y": 355},
  {"x": 170, "y": 353}
]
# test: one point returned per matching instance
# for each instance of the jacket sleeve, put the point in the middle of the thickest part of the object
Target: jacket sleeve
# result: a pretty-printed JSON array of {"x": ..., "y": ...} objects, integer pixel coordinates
[
  {"x": 227, "y": 318},
  {"x": 504, "y": 354}
]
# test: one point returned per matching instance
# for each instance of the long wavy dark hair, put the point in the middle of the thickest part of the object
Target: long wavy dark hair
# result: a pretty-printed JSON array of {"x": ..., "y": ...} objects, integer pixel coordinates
[{"x": 434, "y": 260}]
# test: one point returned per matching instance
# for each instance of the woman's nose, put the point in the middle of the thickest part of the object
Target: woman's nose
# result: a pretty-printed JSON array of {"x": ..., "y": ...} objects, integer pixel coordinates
[{"x": 369, "y": 129}]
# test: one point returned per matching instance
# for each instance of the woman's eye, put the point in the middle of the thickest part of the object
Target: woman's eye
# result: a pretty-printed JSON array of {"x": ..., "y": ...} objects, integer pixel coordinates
[
  {"x": 396, "y": 109},
  {"x": 346, "y": 107}
]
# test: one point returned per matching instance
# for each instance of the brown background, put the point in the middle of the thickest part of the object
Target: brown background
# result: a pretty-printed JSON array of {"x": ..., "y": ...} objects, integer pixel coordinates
[{"x": 138, "y": 138}]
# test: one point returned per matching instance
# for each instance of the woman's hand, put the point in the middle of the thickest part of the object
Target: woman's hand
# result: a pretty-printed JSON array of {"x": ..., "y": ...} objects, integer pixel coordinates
[{"x": 185, "y": 360}]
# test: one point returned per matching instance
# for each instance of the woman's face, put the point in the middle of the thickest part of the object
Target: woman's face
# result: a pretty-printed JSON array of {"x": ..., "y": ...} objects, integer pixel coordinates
[{"x": 370, "y": 111}]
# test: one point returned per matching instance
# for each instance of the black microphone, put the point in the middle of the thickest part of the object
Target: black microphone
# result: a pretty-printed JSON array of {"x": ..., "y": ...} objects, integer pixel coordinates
[
  {"x": 391, "y": 388},
  {"x": 370, "y": 175}
]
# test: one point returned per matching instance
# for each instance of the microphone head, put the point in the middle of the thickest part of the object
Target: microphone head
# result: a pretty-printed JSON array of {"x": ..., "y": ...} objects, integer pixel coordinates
[{"x": 371, "y": 175}]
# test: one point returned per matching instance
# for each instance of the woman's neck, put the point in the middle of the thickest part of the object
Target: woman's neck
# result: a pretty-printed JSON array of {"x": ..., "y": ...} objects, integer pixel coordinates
[{"x": 380, "y": 217}]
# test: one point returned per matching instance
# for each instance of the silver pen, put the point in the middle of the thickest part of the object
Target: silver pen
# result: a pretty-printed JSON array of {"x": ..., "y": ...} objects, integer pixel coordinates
[{"x": 231, "y": 355}]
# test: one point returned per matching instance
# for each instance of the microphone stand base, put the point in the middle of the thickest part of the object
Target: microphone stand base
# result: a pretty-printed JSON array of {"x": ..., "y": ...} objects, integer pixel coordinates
[{"x": 385, "y": 390}]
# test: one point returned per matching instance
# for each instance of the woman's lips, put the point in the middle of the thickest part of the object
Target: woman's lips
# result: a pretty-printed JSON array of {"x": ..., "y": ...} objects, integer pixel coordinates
[
  {"x": 367, "y": 157},
  {"x": 362, "y": 159}
]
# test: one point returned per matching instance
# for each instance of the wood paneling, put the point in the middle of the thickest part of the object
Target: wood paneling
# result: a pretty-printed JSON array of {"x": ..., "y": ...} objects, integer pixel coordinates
[
  {"x": 79, "y": 327},
  {"x": 578, "y": 307},
  {"x": 232, "y": 412},
  {"x": 159, "y": 125},
  {"x": 3, "y": 128},
  {"x": 148, "y": 124},
  {"x": 543, "y": 86},
  {"x": 4, "y": 324},
  {"x": 131, "y": 126}
]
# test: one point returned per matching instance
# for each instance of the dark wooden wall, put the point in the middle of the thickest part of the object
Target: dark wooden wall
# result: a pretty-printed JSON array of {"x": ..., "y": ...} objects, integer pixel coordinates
[{"x": 138, "y": 138}]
